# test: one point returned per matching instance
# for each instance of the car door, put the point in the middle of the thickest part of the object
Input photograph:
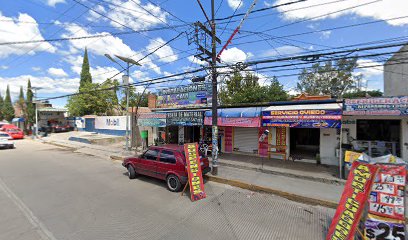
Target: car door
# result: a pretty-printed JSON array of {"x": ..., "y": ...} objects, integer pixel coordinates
[
  {"x": 148, "y": 162},
  {"x": 166, "y": 163}
]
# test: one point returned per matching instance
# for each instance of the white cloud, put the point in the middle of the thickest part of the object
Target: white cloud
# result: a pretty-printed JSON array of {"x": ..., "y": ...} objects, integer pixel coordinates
[
  {"x": 196, "y": 60},
  {"x": 233, "y": 55},
  {"x": 165, "y": 53},
  {"x": 325, "y": 34},
  {"x": 133, "y": 14},
  {"x": 4, "y": 67},
  {"x": 284, "y": 51},
  {"x": 57, "y": 72},
  {"x": 36, "y": 69},
  {"x": 52, "y": 3},
  {"x": 268, "y": 4},
  {"x": 378, "y": 10},
  {"x": 107, "y": 45},
  {"x": 48, "y": 84},
  {"x": 370, "y": 68},
  {"x": 19, "y": 31},
  {"x": 234, "y": 4}
]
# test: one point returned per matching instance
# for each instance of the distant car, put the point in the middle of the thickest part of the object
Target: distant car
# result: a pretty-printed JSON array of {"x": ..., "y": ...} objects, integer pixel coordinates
[
  {"x": 167, "y": 162},
  {"x": 5, "y": 141},
  {"x": 15, "y": 133},
  {"x": 57, "y": 128},
  {"x": 4, "y": 127}
]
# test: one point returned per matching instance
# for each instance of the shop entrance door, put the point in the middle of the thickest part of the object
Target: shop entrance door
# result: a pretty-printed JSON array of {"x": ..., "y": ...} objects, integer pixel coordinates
[
  {"x": 304, "y": 143},
  {"x": 378, "y": 137},
  {"x": 191, "y": 134},
  {"x": 172, "y": 134}
]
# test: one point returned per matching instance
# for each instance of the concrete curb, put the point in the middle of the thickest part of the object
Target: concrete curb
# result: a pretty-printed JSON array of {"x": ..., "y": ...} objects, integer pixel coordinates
[
  {"x": 286, "y": 174},
  {"x": 290, "y": 196},
  {"x": 117, "y": 158},
  {"x": 59, "y": 145}
]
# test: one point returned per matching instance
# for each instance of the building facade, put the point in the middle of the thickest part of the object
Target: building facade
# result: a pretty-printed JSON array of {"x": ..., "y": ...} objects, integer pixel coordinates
[{"x": 396, "y": 74}]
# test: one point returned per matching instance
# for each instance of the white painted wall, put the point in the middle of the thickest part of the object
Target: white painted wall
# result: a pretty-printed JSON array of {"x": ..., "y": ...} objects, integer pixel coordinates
[
  {"x": 111, "y": 122},
  {"x": 329, "y": 141}
]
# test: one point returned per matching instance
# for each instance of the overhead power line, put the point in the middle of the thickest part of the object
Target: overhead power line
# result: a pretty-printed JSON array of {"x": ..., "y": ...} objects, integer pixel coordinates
[{"x": 259, "y": 10}]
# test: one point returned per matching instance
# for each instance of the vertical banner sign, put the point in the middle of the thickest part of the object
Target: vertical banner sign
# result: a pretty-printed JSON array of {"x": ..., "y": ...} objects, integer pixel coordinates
[
  {"x": 195, "y": 176},
  {"x": 281, "y": 136},
  {"x": 352, "y": 202}
]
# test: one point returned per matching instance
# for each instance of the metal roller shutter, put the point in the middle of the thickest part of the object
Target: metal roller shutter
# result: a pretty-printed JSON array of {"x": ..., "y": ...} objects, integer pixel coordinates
[{"x": 246, "y": 139}]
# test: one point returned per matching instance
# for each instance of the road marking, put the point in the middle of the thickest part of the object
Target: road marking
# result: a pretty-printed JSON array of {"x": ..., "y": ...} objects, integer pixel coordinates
[{"x": 44, "y": 233}]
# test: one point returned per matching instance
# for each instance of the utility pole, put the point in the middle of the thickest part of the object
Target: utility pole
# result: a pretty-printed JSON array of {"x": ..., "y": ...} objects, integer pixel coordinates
[
  {"x": 214, "y": 104},
  {"x": 127, "y": 106}
]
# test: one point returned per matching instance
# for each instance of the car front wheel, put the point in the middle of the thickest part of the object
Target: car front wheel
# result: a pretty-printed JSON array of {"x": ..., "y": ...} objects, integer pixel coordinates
[
  {"x": 173, "y": 183},
  {"x": 131, "y": 172}
]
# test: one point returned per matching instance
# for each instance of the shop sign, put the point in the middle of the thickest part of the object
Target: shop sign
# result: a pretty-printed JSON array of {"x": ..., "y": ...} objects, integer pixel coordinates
[
  {"x": 152, "y": 120},
  {"x": 302, "y": 118},
  {"x": 193, "y": 95},
  {"x": 111, "y": 122},
  {"x": 235, "y": 122},
  {"x": 379, "y": 228},
  {"x": 382, "y": 106},
  {"x": 190, "y": 118},
  {"x": 195, "y": 176},
  {"x": 352, "y": 202}
]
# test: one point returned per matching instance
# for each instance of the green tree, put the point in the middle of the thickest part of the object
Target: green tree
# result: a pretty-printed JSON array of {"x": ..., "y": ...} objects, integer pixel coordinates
[
  {"x": 93, "y": 100},
  {"x": 86, "y": 76},
  {"x": 362, "y": 94},
  {"x": 21, "y": 102},
  {"x": 331, "y": 78},
  {"x": 30, "y": 108},
  {"x": 134, "y": 98},
  {"x": 8, "y": 109},
  {"x": 246, "y": 89},
  {"x": 1, "y": 108}
]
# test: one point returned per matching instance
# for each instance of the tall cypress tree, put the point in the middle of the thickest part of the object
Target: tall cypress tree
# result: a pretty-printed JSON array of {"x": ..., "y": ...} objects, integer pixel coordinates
[
  {"x": 30, "y": 110},
  {"x": 8, "y": 110},
  {"x": 21, "y": 101},
  {"x": 86, "y": 76},
  {"x": 1, "y": 108}
]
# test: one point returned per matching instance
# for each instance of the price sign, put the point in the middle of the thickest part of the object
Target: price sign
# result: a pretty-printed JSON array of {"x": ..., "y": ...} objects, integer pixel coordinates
[
  {"x": 395, "y": 179},
  {"x": 384, "y": 230},
  {"x": 384, "y": 188},
  {"x": 396, "y": 212},
  {"x": 383, "y": 198}
]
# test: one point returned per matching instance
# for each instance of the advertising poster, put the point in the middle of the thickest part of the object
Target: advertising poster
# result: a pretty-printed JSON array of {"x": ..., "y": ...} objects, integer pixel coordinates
[
  {"x": 351, "y": 205},
  {"x": 388, "y": 192},
  {"x": 381, "y": 228},
  {"x": 280, "y": 136},
  {"x": 195, "y": 176},
  {"x": 302, "y": 118},
  {"x": 193, "y": 95},
  {"x": 389, "y": 106}
]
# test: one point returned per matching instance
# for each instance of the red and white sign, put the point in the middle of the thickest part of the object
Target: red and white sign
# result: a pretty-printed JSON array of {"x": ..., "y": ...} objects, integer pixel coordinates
[{"x": 351, "y": 205}]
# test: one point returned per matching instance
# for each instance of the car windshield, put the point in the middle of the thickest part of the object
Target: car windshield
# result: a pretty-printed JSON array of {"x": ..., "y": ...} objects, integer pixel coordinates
[{"x": 4, "y": 135}]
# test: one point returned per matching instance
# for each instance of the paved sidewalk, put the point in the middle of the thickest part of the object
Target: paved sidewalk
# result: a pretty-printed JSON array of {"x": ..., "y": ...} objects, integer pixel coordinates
[
  {"x": 297, "y": 189},
  {"x": 308, "y": 171}
]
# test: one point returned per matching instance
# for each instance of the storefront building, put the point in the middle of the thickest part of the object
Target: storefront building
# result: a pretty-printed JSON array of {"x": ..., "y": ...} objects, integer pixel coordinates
[
  {"x": 184, "y": 126},
  {"x": 239, "y": 130},
  {"x": 376, "y": 126},
  {"x": 308, "y": 132},
  {"x": 152, "y": 128}
]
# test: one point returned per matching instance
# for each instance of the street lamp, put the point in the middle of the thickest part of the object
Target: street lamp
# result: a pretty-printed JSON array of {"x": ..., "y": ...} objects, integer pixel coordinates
[
  {"x": 129, "y": 62},
  {"x": 36, "y": 109}
]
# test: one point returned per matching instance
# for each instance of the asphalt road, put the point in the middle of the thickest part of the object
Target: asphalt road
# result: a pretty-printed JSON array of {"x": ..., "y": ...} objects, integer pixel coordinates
[{"x": 47, "y": 192}]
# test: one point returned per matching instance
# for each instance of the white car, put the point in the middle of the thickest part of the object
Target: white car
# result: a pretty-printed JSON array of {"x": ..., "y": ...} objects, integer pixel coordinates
[{"x": 5, "y": 141}]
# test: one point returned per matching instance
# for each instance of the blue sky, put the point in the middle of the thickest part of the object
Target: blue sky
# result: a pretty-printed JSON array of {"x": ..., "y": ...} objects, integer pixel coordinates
[{"x": 55, "y": 66}]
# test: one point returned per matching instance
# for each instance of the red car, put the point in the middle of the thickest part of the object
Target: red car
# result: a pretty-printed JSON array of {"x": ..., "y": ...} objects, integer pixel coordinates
[
  {"x": 167, "y": 162},
  {"x": 15, "y": 133}
]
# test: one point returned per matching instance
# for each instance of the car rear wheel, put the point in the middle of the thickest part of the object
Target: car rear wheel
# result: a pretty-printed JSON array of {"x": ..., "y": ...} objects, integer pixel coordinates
[
  {"x": 173, "y": 183},
  {"x": 131, "y": 172}
]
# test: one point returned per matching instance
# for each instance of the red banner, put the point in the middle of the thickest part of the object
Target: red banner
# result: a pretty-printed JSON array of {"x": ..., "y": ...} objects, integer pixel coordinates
[
  {"x": 352, "y": 202},
  {"x": 195, "y": 176}
]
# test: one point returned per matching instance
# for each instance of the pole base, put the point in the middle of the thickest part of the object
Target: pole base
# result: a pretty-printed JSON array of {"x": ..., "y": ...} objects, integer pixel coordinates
[{"x": 214, "y": 170}]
